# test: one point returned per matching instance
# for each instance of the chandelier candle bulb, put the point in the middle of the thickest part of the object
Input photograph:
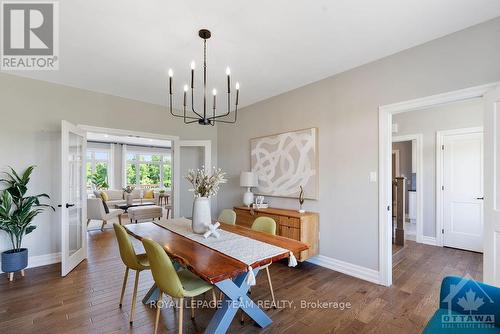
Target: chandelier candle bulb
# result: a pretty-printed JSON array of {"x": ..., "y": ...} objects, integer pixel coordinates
[
  {"x": 192, "y": 74},
  {"x": 185, "y": 95},
  {"x": 228, "y": 73},
  {"x": 170, "y": 75},
  {"x": 214, "y": 92},
  {"x": 237, "y": 92}
]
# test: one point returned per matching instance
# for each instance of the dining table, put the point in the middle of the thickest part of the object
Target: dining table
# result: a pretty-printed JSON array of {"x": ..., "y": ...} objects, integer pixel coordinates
[{"x": 228, "y": 274}]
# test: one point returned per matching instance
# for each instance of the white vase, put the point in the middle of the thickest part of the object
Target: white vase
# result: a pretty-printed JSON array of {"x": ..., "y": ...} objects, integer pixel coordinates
[{"x": 201, "y": 215}]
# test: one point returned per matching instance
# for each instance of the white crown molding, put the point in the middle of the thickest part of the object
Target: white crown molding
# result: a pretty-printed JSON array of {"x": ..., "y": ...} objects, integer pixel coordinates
[
  {"x": 43, "y": 260},
  {"x": 347, "y": 268}
]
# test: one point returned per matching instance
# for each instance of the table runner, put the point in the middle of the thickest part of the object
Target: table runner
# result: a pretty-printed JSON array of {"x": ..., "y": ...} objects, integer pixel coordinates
[{"x": 239, "y": 247}]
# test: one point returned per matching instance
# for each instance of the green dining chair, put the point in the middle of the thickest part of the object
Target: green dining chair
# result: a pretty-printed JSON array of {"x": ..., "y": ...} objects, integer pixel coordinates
[
  {"x": 176, "y": 284},
  {"x": 137, "y": 262},
  {"x": 266, "y": 225},
  {"x": 227, "y": 216}
]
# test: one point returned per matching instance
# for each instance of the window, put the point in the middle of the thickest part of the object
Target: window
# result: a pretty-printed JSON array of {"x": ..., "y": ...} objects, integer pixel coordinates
[
  {"x": 149, "y": 170},
  {"x": 98, "y": 168}
]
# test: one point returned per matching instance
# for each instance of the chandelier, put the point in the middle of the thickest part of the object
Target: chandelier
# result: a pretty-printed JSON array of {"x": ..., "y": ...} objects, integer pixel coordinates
[{"x": 206, "y": 117}]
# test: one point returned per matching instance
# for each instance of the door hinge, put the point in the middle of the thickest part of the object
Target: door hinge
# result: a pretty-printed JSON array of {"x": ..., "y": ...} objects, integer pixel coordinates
[
  {"x": 442, "y": 147},
  {"x": 442, "y": 231},
  {"x": 442, "y": 187},
  {"x": 388, "y": 208}
]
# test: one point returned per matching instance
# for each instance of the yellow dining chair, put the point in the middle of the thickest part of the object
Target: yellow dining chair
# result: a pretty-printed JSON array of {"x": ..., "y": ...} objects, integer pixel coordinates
[
  {"x": 266, "y": 225},
  {"x": 176, "y": 284},
  {"x": 227, "y": 216},
  {"x": 137, "y": 262}
]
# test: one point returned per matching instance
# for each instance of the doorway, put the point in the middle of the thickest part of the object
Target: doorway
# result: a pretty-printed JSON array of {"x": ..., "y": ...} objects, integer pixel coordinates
[{"x": 386, "y": 114}]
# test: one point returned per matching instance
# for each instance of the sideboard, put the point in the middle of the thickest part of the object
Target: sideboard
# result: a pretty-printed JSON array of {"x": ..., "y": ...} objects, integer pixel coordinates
[{"x": 290, "y": 224}]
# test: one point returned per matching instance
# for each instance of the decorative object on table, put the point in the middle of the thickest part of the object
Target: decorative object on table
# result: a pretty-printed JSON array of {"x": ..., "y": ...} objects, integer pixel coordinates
[
  {"x": 285, "y": 161},
  {"x": 204, "y": 186},
  {"x": 259, "y": 203},
  {"x": 301, "y": 200},
  {"x": 204, "y": 117},
  {"x": 17, "y": 212},
  {"x": 248, "y": 180},
  {"x": 212, "y": 231},
  {"x": 129, "y": 189}
]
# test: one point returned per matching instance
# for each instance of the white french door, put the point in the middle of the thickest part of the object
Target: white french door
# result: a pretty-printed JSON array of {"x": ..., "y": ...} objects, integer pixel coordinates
[
  {"x": 463, "y": 192},
  {"x": 491, "y": 260},
  {"x": 73, "y": 197}
]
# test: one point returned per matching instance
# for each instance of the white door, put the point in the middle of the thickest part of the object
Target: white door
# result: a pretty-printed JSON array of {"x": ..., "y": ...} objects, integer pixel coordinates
[
  {"x": 463, "y": 190},
  {"x": 491, "y": 260},
  {"x": 193, "y": 154},
  {"x": 73, "y": 197}
]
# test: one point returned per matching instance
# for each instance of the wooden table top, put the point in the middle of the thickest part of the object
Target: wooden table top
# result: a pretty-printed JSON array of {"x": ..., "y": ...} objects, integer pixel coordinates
[{"x": 209, "y": 264}]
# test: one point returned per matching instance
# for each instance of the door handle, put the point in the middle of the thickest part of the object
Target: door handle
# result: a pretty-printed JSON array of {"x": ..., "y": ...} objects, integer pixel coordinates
[
  {"x": 69, "y": 205},
  {"x": 481, "y": 198}
]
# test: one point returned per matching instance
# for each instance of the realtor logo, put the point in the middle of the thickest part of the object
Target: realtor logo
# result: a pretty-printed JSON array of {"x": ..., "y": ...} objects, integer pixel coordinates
[
  {"x": 29, "y": 35},
  {"x": 473, "y": 301}
]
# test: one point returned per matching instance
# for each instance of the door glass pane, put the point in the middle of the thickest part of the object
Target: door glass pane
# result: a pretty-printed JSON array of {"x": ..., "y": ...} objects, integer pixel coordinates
[
  {"x": 75, "y": 161},
  {"x": 167, "y": 176}
]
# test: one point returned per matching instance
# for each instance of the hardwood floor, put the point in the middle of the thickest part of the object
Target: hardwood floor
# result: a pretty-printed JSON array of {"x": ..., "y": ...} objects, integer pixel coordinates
[{"x": 86, "y": 301}]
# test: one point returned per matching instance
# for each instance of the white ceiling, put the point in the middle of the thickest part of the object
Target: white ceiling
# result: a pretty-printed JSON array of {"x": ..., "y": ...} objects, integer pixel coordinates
[{"x": 125, "y": 47}]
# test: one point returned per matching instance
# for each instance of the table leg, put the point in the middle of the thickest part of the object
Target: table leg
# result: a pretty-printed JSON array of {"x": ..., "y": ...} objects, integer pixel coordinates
[
  {"x": 151, "y": 296},
  {"x": 235, "y": 297}
]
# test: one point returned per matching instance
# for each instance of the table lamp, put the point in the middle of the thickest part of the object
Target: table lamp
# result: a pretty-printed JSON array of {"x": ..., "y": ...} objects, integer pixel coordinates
[{"x": 248, "y": 180}]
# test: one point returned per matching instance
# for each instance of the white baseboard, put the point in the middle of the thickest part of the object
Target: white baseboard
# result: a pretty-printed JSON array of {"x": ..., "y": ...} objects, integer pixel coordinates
[
  {"x": 410, "y": 236},
  {"x": 429, "y": 240},
  {"x": 347, "y": 268},
  {"x": 43, "y": 260}
]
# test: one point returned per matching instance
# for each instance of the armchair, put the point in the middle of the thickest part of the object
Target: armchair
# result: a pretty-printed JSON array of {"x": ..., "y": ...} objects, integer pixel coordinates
[{"x": 95, "y": 211}]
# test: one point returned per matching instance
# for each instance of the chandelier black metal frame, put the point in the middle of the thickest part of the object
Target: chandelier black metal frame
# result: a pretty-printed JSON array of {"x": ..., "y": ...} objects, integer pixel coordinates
[{"x": 204, "y": 118}]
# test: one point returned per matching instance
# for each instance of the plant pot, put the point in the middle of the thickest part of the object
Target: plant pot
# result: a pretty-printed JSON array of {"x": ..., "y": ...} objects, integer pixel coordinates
[
  {"x": 130, "y": 199},
  {"x": 201, "y": 215},
  {"x": 13, "y": 260}
]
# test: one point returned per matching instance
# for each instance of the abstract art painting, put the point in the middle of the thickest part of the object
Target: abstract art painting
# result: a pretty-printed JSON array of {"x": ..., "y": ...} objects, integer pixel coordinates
[{"x": 286, "y": 161}]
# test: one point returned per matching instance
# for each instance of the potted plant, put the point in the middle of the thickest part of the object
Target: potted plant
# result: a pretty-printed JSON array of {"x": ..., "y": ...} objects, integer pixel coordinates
[
  {"x": 204, "y": 186},
  {"x": 99, "y": 181},
  {"x": 17, "y": 212},
  {"x": 128, "y": 190}
]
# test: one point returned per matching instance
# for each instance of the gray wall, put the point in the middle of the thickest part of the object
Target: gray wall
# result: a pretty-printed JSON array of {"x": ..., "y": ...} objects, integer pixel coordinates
[
  {"x": 345, "y": 108},
  {"x": 404, "y": 149},
  {"x": 428, "y": 122},
  {"x": 31, "y": 112}
]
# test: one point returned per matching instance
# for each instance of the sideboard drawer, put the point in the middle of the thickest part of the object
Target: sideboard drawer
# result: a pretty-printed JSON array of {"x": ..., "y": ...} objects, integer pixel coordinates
[
  {"x": 289, "y": 221},
  {"x": 289, "y": 232}
]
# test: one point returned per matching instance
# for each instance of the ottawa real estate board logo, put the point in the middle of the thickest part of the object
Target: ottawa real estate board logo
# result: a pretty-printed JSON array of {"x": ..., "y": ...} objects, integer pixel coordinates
[{"x": 29, "y": 35}]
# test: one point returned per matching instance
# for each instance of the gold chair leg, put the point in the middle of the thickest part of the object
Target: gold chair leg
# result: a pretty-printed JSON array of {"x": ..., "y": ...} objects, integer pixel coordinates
[
  {"x": 192, "y": 308},
  {"x": 158, "y": 309},
  {"x": 125, "y": 277},
  {"x": 102, "y": 226},
  {"x": 88, "y": 222},
  {"x": 120, "y": 219},
  {"x": 181, "y": 313},
  {"x": 270, "y": 286},
  {"x": 134, "y": 296}
]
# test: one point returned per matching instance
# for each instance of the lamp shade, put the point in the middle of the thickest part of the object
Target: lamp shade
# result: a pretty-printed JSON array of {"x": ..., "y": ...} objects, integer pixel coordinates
[{"x": 248, "y": 179}]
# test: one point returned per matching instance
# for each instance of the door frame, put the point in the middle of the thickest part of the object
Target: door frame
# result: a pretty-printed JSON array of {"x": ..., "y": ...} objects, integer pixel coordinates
[
  {"x": 385, "y": 155},
  {"x": 175, "y": 155},
  {"x": 419, "y": 148},
  {"x": 440, "y": 176},
  {"x": 398, "y": 162}
]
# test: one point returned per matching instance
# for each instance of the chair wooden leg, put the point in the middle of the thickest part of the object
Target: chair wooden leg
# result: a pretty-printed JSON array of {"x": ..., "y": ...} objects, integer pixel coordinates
[
  {"x": 192, "y": 308},
  {"x": 270, "y": 286},
  {"x": 158, "y": 309},
  {"x": 11, "y": 277},
  {"x": 124, "y": 286},
  {"x": 120, "y": 219},
  {"x": 134, "y": 296},
  {"x": 181, "y": 313},
  {"x": 22, "y": 272},
  {"x": 102, "y": 226},
  {"x": 88, "y": 221}
]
